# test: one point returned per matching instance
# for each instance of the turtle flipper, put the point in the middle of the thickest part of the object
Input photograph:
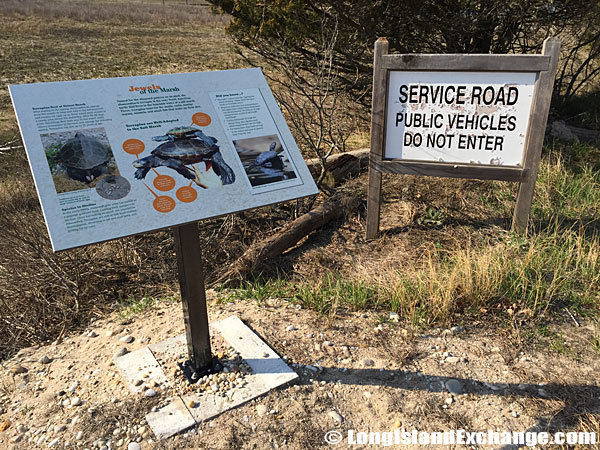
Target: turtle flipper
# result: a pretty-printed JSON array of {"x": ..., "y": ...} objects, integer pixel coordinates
[
  {"x": 141, "y": 173},
  {"x": 180, "y": 168},
  {"x": 222, "y": 169}
]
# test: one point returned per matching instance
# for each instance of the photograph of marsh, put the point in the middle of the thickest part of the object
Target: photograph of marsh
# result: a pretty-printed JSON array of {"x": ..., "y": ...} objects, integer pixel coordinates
[{"x": 446, "y": 320}]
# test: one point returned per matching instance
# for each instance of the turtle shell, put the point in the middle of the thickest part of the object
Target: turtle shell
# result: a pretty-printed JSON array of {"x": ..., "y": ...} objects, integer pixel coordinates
[
  {"x": 181, "y": 132},
  {"x": 189, "y": 151},
  {"x": 83, "y": 152}
]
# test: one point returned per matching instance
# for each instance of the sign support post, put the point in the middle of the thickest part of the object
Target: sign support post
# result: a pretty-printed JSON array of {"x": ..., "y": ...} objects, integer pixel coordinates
[
  {"x": 524, "y": 171},
  {"x": 193, "y": 299}
]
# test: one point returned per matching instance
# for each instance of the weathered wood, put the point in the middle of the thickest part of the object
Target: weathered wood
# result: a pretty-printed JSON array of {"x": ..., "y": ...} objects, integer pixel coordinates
[
  {"x": 450, "y": 170},
  {"x": 457, "y": 62},
  {"x": 377, "y": 135},
  {"x": 193, "y": 296},
  {"x": 362, "y": 155},
  {"x": 272, "y": 247},
  {"x": 535, "y": 135}
]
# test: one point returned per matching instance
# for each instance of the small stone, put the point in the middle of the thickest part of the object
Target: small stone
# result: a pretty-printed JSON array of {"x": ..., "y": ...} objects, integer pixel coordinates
[
  {"x": 45, "y": 360},
  {"x": 79, "y": 436},
  {"x": 261, "y": 410},
  {"x": 5, "y": 425},
  {"x": 17, "y": 438},
  {"x": 452, "y": 359},
  {"x": 53, "y": 442},
  {"x": 137, "y": 382},
  {"x": 59, "y": 428},
  {"x": 150, "y": 393},
  {"x": 109, "y": 333},
  {"x": 449, "y": 400},
  {"x": 335, "y": 416},
  {"x": 291, "y": 328},
  {"x": 134, "y": 446},
  {"x": 92, "y": 334},
  {"x": 127, "y": 339},
  {"x": 265, "y": 355},
  {"x": 17, "y": 369},
  {"x": 367, "y": 362},
  {"x": 21, "y": 428},
  {"x": 454, "y": 386},
  {"x": 397, "y": 424},
  {"x": 458, "y": 329},
  {"x": 122, "y": 351},
  {"x": 76, "y": 401},
  {"x": 191, "y": 404},
  {"x": 515, "y": 414},
  {"x": 394, "y": 317},
  {"x": 328, "y": 344},
  {"x": 367, "y": 394}
]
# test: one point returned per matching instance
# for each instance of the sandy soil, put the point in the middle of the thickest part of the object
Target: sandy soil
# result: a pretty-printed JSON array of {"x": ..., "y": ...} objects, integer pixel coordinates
[{"x": 359, "y": 371}]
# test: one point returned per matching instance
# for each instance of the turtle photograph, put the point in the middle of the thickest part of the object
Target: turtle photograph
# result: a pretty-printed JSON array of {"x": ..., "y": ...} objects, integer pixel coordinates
[
  {"x": 78, "y": 159},
  {"x": 264, "y": 159},
  {"x": 183, "y": 147}
]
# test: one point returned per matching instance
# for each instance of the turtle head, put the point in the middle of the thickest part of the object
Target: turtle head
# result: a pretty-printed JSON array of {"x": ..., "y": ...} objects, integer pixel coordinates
[{"x": 143, "y": 166}]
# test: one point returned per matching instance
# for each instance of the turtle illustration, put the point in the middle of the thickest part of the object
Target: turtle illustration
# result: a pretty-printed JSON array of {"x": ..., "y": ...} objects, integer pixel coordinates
[
  {"x": 185, "y": 133},
  {"x": 269, "y": 158},
  {"x": 84, "y": 158},
  {"x": 176, "y": 154}
]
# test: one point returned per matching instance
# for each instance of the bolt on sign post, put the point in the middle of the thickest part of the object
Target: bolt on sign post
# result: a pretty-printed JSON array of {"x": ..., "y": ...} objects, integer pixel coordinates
[
  {"x": 460, "y": 116},
  {"x": 121, "y": 156}
]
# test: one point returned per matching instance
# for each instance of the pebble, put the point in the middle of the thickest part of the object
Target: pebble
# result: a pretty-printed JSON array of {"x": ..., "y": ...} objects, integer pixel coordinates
[
  {"x": 454, "y": 386},
  {"x": 336, "y": 416},
  {"x": 449, "y": 400},
  {"x": 59, "y": 428},
  {"x": 291, "y": 328},
  {"x": 515, "y": 414},
  {"x": 265, "y": 355},
  {"x": 261, "y": 410},
  {"x": 191, "y": 404},
  {"x": 128, "y": 339},
  {"x": 17, "y": 438},
  {"x": 17, "y": 369},
  {"x": 122, "y": 351},
  {"x": 53, "y": 442},
  {"x": 134, "y": 446},
  {"x": 79, "y": 436},
  {"x": 458, "y": 329},
  {"x": 150, "y": 393},
  {"x": 109, "y": 333},
  {"x": 328, "y": 344},
  {"x": 367, "y": 394},
  {"x": 92, "y": 334},
  {"x": 45, "y": 360},
  {"x": 394, "y": 317},
  {"x": 367, "y": 362},
  {"x": 452, "y": 359},
  {"x": 76, "y": 401},
  {"x": 21, "y": 428}
]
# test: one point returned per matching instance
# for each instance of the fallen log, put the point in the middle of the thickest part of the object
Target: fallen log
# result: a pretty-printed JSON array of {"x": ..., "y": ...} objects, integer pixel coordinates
[
  {"x": 561, "y": 130},
  {"x": 257, "y": 254},
  {"x": 341, "y": 159}
]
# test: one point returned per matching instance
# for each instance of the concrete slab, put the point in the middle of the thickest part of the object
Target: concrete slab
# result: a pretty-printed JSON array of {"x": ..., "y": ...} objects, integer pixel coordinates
[
  {"x": 170, "y": 419},
  {"x": 268, "y": 372},
  {"x": 140, "y": 365}
]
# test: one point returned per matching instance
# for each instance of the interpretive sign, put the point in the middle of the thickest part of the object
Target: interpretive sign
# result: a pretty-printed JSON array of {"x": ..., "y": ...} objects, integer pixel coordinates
[
  {"x": 120, "y": 156},
  {"x": 462, "y": 116}
]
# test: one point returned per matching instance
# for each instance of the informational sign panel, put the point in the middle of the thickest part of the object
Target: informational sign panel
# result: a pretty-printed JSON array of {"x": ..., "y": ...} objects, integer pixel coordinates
[
  {"x": 466, "y": 117},
  {"x": 120, "y": 156}
]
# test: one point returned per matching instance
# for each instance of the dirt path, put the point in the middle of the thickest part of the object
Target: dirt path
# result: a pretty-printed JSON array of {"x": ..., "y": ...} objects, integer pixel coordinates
[{"x": 356, "y": 372}]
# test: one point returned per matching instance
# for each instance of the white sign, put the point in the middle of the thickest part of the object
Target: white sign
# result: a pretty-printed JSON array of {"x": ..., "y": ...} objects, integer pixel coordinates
[
  {"x": 461, "y": 117},
  {"x": 120, "y": 156}
]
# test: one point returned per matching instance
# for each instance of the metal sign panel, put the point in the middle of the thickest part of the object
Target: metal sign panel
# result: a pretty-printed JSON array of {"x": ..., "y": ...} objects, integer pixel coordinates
[
  {"x": 121, "y": 156},
  {"x": 458, "y": 117}
]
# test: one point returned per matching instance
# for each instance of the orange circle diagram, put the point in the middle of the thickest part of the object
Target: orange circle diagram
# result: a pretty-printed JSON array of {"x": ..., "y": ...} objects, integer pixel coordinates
[
  {"x": 163, "y": 204},
  {"x": 133, "y": 146},
  {"x": 164, "y": 183},
  {"x": 201, "y": 119},
  {"x": 186, "y": 194}
]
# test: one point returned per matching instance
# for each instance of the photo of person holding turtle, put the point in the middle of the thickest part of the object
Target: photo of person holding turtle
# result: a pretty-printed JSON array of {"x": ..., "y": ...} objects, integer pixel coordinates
[
  {"x": 183, "y": 146},
  {"x": 264, "y": 159}
]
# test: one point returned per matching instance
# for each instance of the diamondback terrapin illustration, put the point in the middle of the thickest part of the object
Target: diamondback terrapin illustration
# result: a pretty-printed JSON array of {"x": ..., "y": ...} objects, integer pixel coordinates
[
  {"x": 186, "y": 133},
  {"x": 177, "y": 153},
  {"x": 84, "y": 158}
]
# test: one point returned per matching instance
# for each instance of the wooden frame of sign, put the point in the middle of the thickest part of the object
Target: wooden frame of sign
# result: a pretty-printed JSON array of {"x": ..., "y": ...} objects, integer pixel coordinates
[{"x": 544, "y": 66}]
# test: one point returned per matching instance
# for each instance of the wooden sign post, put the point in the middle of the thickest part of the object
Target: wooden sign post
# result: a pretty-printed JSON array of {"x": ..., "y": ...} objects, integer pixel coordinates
[
  {"x": 193, "y": 299},
  {"x": 461, "y": 116}
]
